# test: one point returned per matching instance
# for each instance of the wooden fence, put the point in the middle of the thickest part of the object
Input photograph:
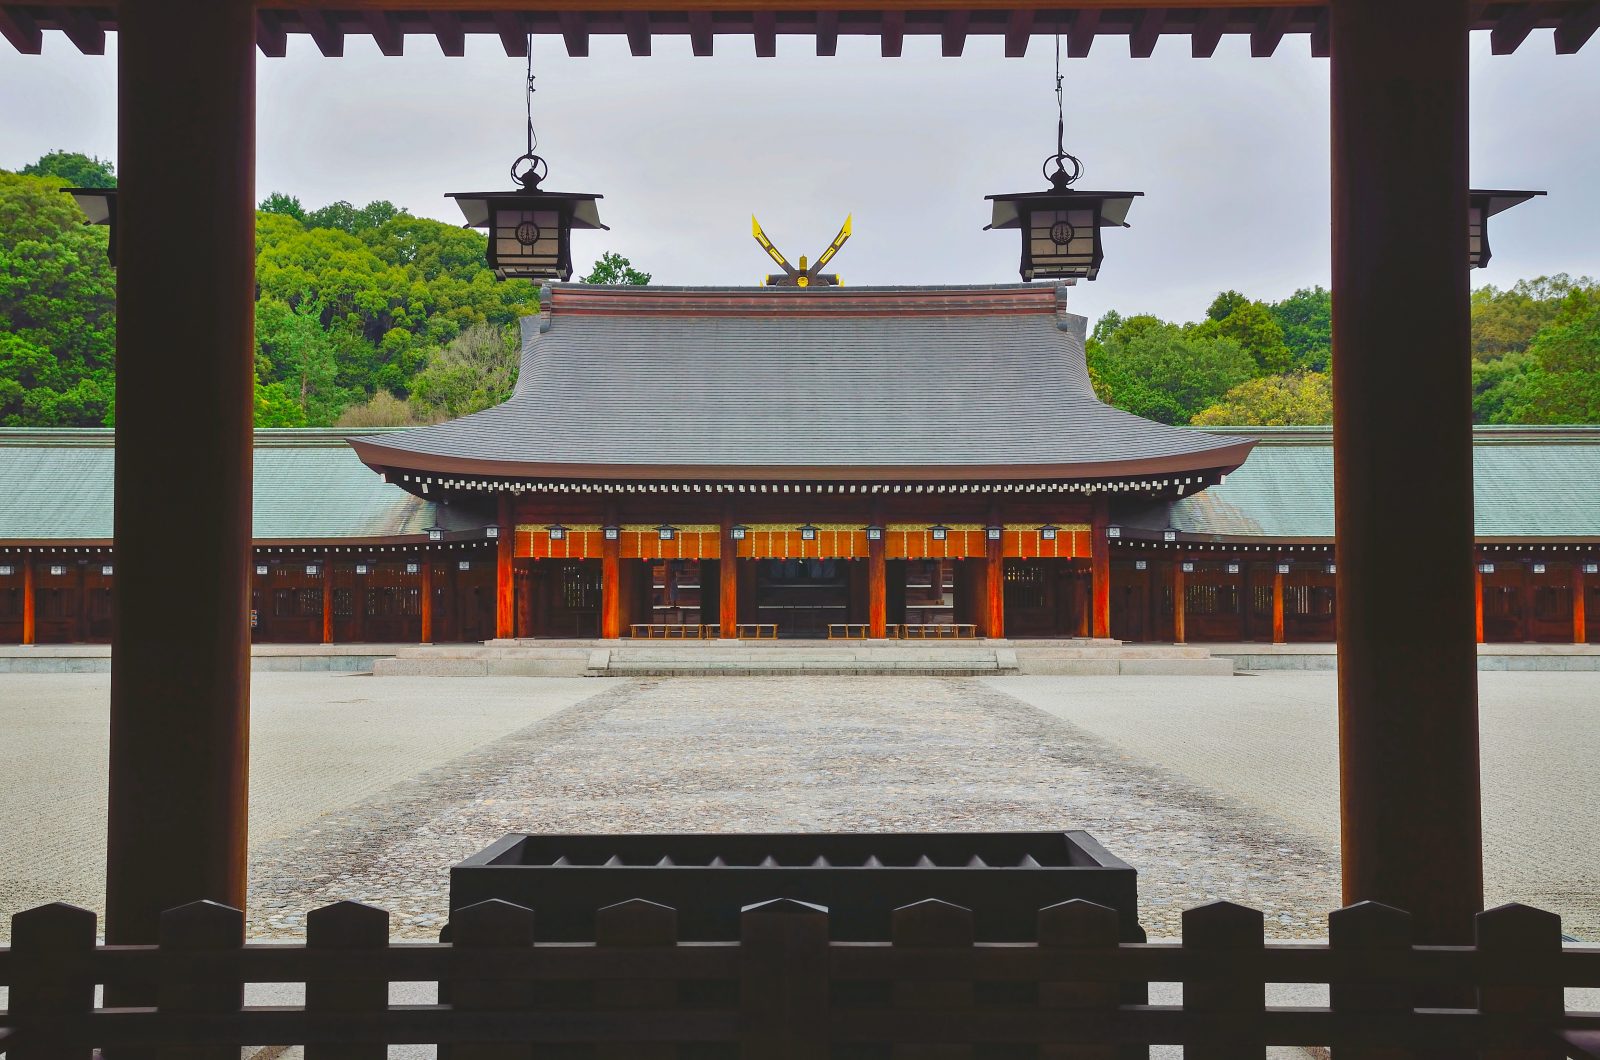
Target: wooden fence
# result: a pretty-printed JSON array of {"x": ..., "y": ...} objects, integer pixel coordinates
[{"x": 784, "y": 991}]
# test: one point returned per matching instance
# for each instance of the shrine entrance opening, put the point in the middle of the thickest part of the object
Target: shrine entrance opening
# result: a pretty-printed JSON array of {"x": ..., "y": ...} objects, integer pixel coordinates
[{"x": 803, "y": 597}]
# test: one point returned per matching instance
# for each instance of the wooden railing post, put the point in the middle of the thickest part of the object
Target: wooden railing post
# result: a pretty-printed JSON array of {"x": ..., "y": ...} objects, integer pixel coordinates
[
  {"x": 196, "y": 928},
  {"x": 636, "y": 923},
  {"x": 1515, "y": 941},
  {"x": 51, "y": 988},
  {"x": 1236, "y": 995},
  {"x": 1079, "y": 934},
  {"x": 939, "y": 925},
  {"x": 489, "y": 925},
  {"x": 347, "y": 926},
  {"x": 1379, "y": 936},
  {"x": 783, "y": 981}
]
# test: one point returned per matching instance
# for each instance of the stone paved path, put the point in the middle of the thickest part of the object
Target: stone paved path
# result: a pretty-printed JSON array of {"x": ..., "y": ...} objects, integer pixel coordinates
[{"x": 826, "y": 754}]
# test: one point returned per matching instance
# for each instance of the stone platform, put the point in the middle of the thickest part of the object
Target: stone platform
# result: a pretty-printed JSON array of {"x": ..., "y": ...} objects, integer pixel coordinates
[
  {"x": 1556, "y": 658},
  {"x": 749, "y": 658}
]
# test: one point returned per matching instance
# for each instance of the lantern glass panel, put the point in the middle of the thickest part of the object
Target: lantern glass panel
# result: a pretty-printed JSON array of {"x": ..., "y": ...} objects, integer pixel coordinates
[
  {"x": 465, "y": 564},
  {"x": 1140, "y": 564},
  {"x": 413, "y": 568},
  {"x": 1048, "y": 533},
  {"x": 1591, "y": 568},
  {"x": 1486, "y": 568},
  {"x": 528, "y": 243},
  {"x": 1477, "y": 237},
  {"x": 261, "y": 568},
  {"x": 362, "y": 568},
  {"x": 106, "y": 570},
  {"x": 1188, "y": 568},
  {"x": 1063, "y": 243}
]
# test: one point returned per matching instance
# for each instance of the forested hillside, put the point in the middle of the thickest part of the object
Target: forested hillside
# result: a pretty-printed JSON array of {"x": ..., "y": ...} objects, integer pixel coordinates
[{"x": 372, "y": 317}]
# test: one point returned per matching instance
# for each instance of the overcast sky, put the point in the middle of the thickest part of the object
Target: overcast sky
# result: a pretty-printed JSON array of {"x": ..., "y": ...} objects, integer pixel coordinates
[{"x": 1232, "y": 153}]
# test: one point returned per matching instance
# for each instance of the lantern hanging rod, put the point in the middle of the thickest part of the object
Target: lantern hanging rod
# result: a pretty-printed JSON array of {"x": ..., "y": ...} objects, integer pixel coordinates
[
  {"x": 529, "y": 170},
  {"x": 1063, "y": 177}
]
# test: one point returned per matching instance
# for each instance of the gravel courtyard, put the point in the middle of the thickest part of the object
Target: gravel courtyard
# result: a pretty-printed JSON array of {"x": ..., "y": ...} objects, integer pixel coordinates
[{"x": 370, "y": 788}]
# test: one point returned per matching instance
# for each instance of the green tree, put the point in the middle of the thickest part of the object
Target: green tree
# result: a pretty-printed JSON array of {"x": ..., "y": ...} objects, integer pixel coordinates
[
  {"x": 613, "y": 268},
  {"x": 476, "y": 371},
  {"x": 1507, "y": 321},
  {"x": 1251, "y": 325},
  {"x": 74, "y": 169},
  {"x": 347, "y": 218},
  {"x": 1291, "y": 399},
  {"x": 383, "y": 409},
  {"x": 1168, "y": 374},
  {"x": 1306, "y": 318},
  {"x": 295, "y": 372},
  {"x": 287, "y": 205}
]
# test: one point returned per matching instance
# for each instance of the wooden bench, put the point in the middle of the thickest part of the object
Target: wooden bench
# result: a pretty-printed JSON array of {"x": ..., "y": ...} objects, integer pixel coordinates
[
  {"x": 938, "y": 631},
  {"x": 666, "y": 631},
  {"x": 756, "y": 630},
  {"x": 849, "y": 630}
]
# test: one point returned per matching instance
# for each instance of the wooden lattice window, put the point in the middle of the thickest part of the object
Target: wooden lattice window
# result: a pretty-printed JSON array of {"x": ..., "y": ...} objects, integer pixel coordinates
[
  {"x": 11, "y": 602},
  {"x": 1552, "y": 603},
  {"x": 344, "y": 603},
  {"x": 1206, "y": 599},
  {"x": 580, "y": 588},
  {"x": 1024, "y": 586}
]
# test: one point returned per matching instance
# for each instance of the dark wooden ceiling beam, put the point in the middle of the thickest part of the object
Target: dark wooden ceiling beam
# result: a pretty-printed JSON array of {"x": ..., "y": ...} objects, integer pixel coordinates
[
  {"x": 636, "y": 24},
  {"x": 892, "y": 34},
  {"x": 1081, "y": 33},
  {"x": 1574, "y": 31},
  {"x": 18, "y": 27},
  {"x": 953, "y": 34},
  {"x": 1271, "y": 25},
  {"x": 325, "y": 32},
  {"x": 574, "y": 33},
  {"x": 271, "y": 38},
  {"x": 449, "y": 32},
  {"x": 765, "y": 27},
  {"x": 827, "y": 33},
  {"x": 1207, "y": 33},
  {"x": 513, "y": 33},
  {"x": 701, "y": 33},
  {"x": 386, "y": 32},
  {"x": 1146, "y": 32},
  {"x": 1322, "y": 36},
  {"x": 83, "y": 29},
  {"x": 1019, "y": 27},
  {"x": 1512, "y": 28}
]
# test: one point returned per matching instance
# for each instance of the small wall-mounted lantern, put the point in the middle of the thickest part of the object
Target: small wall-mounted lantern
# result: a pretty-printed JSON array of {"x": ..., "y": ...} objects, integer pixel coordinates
[
  {"x": 738, "y": 531},
  {"x": 107, "y": 570},
  {"x": 1048, "y": 532},
  {"x": 261, "y": 569},
  {"x": 1141, "y": 564},
  {"x": 435, "y": 532},
  {"x": 1483, "y": 205},
  {"x": 465, "y": 564},
  {"x": 99, "y": 205},
  {"x": 556, "y": 531},
  {"x": 1188, "y": 567},
  {"x": 7, "y": 570},
  {"x": 1283, "y": 566},
  {"x": 807, "y": 532},
  {"x": 993, "y": 533},
  {"x": 1113, "y": 532},
  {"x": 313, "y": 569},
  {"x": 666, "y": 531},
  {"x": 611, "y": 532},
  {"x": 491, "y": 532},
  {"x": 362, "y": 568},
  {"x": 57, "y": 570},
  {"x": 1170, "y": 534},
  {"x": 939, "y": 531},
  {"x": 1538, "y": 568},
  {"x": 413, "y": 568},
  {"x": 1332, "y": 567},
  {"x": 874, "y": 532},
  {"x": 1486, "y": 568},
  {"x": 1233, "y": 568},
  {"x": 1591, "y": 568}
]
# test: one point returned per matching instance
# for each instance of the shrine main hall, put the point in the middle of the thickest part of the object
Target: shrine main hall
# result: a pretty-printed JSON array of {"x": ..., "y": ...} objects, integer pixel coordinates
[{"x": 794, "y": 462}]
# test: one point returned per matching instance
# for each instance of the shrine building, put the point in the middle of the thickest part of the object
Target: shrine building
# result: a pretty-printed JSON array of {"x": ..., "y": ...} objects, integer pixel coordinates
[{"x": 858, "y": 462}]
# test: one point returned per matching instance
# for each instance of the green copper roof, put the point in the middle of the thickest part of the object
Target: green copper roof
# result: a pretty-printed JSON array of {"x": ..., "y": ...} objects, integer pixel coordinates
[
  {"x": 56, "y": 485},
  {"x": 1530, "y": 483}
]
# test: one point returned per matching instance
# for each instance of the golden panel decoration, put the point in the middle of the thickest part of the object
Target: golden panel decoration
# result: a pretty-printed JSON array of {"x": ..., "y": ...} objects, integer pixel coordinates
[
  {"x": 1071, "y": 542},
  {"x": 578, "y": 542},
  {"x": 784, "y": 541},
  {"x": 694, "y": 541},
  {"x": 916, "y": 541}
]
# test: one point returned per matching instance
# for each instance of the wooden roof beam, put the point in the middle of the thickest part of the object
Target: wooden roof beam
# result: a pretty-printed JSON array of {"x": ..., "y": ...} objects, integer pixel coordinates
[
  {"x": 1207, "y": 33},
  {"x": 892, "y": 34},
  {"x": 1019, "y": 27},
  {"x": 513, "y": 33},
  {"x": 1080, "y": 34},
  {"x": 271, "y": 38},
  {"x": 700, "y": 32},
  {"x": 1146, "y": 31},
  {"x": 325, "y": 32},
  {"x": 1271, "y": 25},
  {"x": 449, "y": 32},
  {"x": 636, "y": 24},
  {"x": 1322, "y": 36},
  {"x": 386, "y": 32},
  {"x": 953, "y": 34},
  {"x": 765, "y": 30},
  {"x": 18, "y": 27},
  {"x": 83, "y": 29},
  {"x": 574, "y": 33},
  {"x": 1574, "y": 31},
  {"x": 1512, "y": 29},
  {"x": 827, "y": 33}
]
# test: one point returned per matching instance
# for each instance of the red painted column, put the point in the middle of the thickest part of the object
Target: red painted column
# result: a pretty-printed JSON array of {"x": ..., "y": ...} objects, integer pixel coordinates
[
  {"x": 505, "y": 590},
  {"x": 1179, "y": 635},
  {"x": 1277, "y": 607},
  {"x": 30, "y": 630},
  {"x": 1100, "y": 569},
  {"x": 1580, "y": 618},
  {"x": 994, "y": 581},
  {"x": 427, "y": 599},
  {"x": 1477, "y": 600},
  {"x": 327, "y": 599},
  {"x": 180, "y": 661},
  {"x": 728, "y": 581},
  {"x": 1408, "y": 714},
  {"x": 611, "y": 585}
]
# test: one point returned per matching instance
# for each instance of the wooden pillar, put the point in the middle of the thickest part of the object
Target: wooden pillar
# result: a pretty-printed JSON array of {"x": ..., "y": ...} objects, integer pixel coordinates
[
  {"x": 1277, "y": 606},
  {"x": 1477, "y": 600},
  {"x": 30, "y": 612},
  {"x": 728, "y": 580},
  {"x": 878, "y": 583},
  {"x": 611, "y": 582},
  {"x": 1526, "y": 595},
  {"x": 505, "y": 588},
  {"x": 180, "y": 662},
  {"x": 1179, "y": 636},
  {"x": 994, "y": 581},
  {"x": 1408, "y": 716},
  {"x": 427, "y": 599},
  {"x": 327, "y": 599},
  {"x": 1580, "y": 618},
  {"x": 1100, "y": 569}
]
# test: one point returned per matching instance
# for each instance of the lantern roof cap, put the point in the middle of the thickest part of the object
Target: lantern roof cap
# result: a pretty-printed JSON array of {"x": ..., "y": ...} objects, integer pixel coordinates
[{"x": 475, "y": 205}]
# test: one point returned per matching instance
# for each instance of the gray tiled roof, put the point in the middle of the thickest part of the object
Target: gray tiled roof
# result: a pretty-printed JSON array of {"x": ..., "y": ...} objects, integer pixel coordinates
[
  {"x": 659, "y": 381},
  {"x": 57, "y": 486},
  {"x": 1529, "y": 483}
]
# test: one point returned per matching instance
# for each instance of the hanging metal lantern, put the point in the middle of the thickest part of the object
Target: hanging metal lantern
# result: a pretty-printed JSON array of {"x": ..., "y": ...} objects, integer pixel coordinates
[
  {"x": 1482, "y": 206},
  {"x": 1061, "y": 227},
  {"x": 99, "y": 205},
  {"x": 530, "y": 229}
]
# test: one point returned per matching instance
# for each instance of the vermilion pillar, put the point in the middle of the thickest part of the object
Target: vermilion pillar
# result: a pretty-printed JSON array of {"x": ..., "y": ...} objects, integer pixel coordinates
[
  {"x": 1477, "y": 600},
  {"x": 1408, "y": 713},
  {"x": 611, "y": 586},
  {"x": 1179, "y": 635},
  {"x": 1100, "y": 569},
  {"x": 994, "y": 583},
  {"x": 1277, "y": 606},
  {"x": 327, "y": 599},
  {"x": 427, "y": 600},
  {"x": 180, "y": 662},
  {"x": 505, "y": 594},
  {"x": 30, "y": 631},
  {"x": 728, "y": 581},
  {"x": 1580, "y": 618}
]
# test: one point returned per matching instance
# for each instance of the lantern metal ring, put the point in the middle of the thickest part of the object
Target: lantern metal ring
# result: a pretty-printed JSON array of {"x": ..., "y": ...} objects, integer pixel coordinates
[{"x": 532, "y": 174}]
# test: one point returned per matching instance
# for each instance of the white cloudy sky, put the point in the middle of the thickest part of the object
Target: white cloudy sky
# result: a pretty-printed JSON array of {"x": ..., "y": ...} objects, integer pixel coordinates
[{"x": 1232, "y": 153}]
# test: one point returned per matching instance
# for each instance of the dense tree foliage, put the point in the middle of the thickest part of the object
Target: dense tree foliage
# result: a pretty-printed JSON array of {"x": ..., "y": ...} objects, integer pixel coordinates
[
  {"x": 1286, "y": 400},
  {"x": 614, "y": 269},
  {"x": 75, "y": 170}
]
